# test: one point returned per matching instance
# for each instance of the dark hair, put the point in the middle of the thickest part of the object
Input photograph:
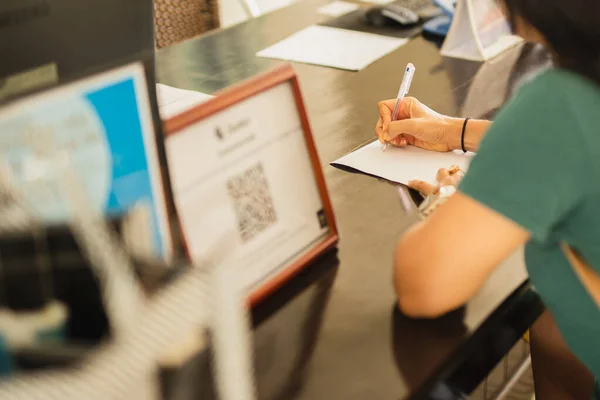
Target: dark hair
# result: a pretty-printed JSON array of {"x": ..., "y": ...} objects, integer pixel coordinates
[{"x": 571, "y": 28}]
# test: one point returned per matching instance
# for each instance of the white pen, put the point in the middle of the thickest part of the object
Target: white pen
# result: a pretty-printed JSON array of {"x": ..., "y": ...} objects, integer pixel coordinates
[{"x": 409, "y": 73}]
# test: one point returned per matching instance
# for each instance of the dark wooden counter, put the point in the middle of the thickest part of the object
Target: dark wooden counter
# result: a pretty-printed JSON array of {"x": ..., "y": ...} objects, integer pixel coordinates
[{"x": 334, "y": 332}]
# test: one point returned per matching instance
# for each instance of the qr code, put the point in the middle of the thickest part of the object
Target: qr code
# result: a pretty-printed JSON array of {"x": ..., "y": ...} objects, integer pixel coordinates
[{"x": 253, "y": 204}]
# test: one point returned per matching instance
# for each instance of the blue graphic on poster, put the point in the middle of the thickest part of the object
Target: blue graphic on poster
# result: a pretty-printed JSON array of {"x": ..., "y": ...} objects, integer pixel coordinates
[{"x": 109, "y": 145}]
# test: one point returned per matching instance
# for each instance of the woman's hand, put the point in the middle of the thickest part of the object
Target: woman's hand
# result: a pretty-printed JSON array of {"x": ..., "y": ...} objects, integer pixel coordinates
[
  {"x": 417, "y": 125},
  {"x": 445, "y": 177}
]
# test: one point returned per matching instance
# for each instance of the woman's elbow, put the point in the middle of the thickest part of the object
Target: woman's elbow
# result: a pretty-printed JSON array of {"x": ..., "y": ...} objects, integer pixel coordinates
[
  {"x": 419, "y": 288},
  {"x": 417, "y": 295},
  {"x": 422, "y": 305}
]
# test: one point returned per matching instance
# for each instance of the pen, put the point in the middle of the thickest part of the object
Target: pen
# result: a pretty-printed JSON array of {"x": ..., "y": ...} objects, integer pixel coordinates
[
  {"x": 409, "y": 73},
  {"x": 408, "y": 206}
]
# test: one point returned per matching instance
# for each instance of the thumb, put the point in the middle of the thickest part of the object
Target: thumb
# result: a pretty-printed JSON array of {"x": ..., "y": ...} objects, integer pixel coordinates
[{"x": 412, "y": 126}]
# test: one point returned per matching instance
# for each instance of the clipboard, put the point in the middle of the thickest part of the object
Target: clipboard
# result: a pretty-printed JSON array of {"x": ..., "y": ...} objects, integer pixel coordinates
[{"x": 203, "y": 164}]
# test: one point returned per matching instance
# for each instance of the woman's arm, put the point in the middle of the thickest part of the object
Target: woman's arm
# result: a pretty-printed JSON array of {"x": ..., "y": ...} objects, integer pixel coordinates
[
  {"x": 474, "y": 132},
  {"x": 443, "y": 261},
  {"x": 420, "y": 126}
]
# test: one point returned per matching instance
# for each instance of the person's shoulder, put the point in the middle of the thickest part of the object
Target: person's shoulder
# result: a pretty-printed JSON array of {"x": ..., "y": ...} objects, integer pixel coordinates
[
  {"x": 561, "y": 86},
  {"x": 542, "y": 112},
  {"x": 566, "y": 79},
  {"x": 555, "y": 97}
]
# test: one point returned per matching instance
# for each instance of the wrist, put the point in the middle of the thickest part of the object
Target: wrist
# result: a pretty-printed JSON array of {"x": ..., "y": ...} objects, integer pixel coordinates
[
  {"x": 474, "y": 131},
  {"x": 454, "y": 129}
]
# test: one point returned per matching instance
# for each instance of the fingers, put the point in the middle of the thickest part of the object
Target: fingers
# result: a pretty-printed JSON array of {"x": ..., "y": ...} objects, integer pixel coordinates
[
  {"x": 399, "y": 141},
  {"x": 387, "y": 129},
  {"x": 403, "y": 140},
  {"x": 379, "y": 130},
  {"x": 416, "y": 124},
  {"x": 450, "y": 176},
  {"x": 385, "y": 113},
  {"x": 408, "y": 108},
  {"x": 445, "y": 176},
  {"x": 423, "y": 187},
  {"x": 411, "y": 127},
  {"x": 453, "y": 169},
  {"x": 413, "y": 108},
  {"x": 442, "y": 174},
  {"x": 456, "y": 173}
]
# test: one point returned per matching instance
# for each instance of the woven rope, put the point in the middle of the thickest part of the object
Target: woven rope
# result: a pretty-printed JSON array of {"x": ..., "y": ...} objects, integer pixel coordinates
[{"x": 177, "y": 20}]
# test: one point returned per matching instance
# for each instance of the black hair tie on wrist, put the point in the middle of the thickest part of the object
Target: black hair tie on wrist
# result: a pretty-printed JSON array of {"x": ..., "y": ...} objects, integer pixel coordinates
[{"x": 462, "y": 135}]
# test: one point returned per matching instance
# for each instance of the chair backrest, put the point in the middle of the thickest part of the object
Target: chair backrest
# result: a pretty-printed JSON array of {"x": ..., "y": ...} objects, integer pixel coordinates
[{"x": 178, "y": 20}]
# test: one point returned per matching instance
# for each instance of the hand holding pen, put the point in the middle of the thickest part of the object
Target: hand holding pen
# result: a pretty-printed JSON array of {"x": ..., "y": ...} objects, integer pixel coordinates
[{"x": 420, "y": 126}]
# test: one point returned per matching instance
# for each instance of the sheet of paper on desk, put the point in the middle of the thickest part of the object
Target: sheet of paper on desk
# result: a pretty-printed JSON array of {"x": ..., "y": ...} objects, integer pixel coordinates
[
  {"x": 402, "y": 164},
  {"x": 173, "y": 101},
  {"x": 337, "y": 8},
  {"x": 378, "y": 2},
  {"x": 333, "y": 47}
]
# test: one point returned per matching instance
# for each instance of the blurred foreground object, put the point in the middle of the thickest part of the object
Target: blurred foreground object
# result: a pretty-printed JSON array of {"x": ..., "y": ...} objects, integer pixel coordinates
[{"x": 207, "y": 297}]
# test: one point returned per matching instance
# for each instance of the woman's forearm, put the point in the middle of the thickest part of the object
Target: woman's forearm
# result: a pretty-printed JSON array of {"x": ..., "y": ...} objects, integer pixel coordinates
[{"x": 476, "y": 129}]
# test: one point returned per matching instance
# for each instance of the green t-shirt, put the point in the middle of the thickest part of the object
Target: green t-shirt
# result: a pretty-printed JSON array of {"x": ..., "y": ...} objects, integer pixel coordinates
[{"x": 539, "y": 165}]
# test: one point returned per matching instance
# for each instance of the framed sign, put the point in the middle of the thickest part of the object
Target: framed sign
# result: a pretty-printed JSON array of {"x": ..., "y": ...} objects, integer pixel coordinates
[{"x": 244, "y": 166}]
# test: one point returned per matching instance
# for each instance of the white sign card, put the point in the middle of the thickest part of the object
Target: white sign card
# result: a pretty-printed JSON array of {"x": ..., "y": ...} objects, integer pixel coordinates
[
  {"x": 479, "y": 31},
  {"x": 243, "y": 165}
]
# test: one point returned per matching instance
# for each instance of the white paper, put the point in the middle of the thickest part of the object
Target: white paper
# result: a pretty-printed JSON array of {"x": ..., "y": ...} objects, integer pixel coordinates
[
  {"x": 378, "y": 2},
  {"x": 402, "y": 164},
  {"x": 173, "y": 101},
  {"x": 333, "y": 47},
  {"x": 337, "y": 8}
]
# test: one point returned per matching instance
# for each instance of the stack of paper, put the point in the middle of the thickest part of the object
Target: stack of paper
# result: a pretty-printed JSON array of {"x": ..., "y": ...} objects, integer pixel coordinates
[
  {"x": 333, "y": 47},
  {"x": 173, "y": 101},
  {"x": 402, "y": 165}
]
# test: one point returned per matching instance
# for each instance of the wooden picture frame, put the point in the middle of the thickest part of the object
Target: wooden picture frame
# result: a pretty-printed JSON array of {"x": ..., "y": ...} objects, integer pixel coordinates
[{"x": 234, "y": 95}]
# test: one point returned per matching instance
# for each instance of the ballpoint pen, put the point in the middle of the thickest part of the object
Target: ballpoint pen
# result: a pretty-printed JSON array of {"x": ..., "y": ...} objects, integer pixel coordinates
[{"x": 409, "y": 73}]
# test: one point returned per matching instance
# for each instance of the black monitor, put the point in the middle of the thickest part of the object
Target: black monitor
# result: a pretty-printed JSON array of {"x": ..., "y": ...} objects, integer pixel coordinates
[{"x": 44, "y": 43}]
